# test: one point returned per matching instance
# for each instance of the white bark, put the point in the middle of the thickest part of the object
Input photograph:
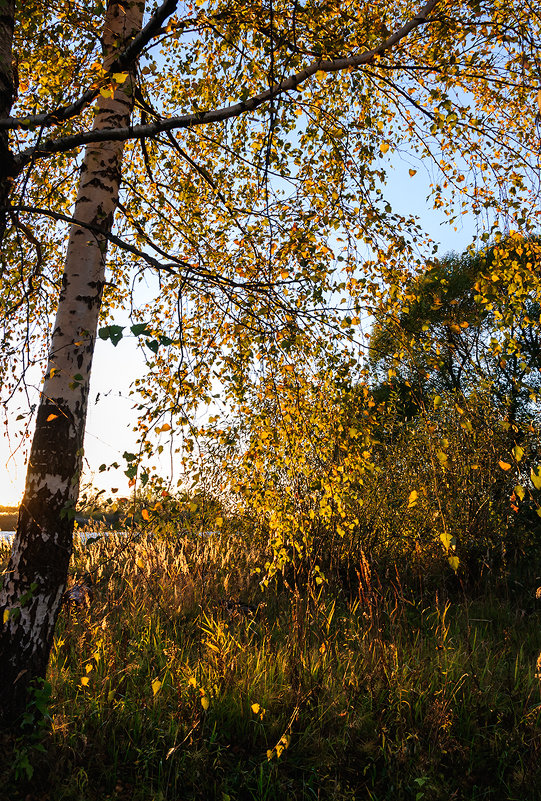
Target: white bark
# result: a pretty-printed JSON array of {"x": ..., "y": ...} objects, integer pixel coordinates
[{"x": 36, "y": 576}]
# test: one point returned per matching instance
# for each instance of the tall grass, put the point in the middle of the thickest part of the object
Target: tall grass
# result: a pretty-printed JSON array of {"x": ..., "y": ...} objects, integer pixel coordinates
[{"x": 184, "y": 680}]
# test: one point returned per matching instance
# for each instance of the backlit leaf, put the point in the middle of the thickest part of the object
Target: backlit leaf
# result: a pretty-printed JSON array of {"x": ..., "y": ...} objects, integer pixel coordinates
[
  {"x": 535, "y": 475},
  {"x": 454, "y": 562},
  {"x": 518, "y": 452},
  {"x": 412, "y": 500}
]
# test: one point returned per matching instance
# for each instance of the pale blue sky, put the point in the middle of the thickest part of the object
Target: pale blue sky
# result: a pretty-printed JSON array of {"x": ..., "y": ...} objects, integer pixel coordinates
[{"x": 110, "y": 421}]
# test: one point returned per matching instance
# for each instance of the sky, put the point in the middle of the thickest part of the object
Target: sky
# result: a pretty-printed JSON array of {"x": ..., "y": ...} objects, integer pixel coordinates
[{"x": 111, "y": 417}]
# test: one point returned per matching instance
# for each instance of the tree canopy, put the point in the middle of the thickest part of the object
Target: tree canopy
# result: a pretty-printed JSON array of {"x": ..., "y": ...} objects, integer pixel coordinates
[{"x": 254, "y": 176}]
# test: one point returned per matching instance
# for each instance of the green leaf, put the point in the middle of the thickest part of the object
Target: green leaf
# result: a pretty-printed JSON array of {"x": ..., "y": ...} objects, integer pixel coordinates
[
  {"x": 112, "y": 332},
  {"x": 139, "y": 328}
]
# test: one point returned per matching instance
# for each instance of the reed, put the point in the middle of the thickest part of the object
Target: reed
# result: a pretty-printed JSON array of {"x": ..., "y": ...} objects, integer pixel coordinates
[{"x": 183, "y": 679}]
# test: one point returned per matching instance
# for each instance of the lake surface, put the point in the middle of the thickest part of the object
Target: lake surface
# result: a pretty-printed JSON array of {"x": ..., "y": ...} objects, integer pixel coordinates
[{"x": 83, "y": 535}]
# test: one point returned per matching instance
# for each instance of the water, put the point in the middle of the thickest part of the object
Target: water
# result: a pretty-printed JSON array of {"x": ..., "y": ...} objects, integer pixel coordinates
[{"x": 83, "y": 535}]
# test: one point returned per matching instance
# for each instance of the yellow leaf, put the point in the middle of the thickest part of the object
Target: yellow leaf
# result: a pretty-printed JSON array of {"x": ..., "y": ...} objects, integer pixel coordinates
[
  {"x": 120, "y": 77},
  {"x": 110, "y": 695},
  {"x": 384, "y": 147},
  {"x": 192, "y": 682},
  {"x": 442, "y": 458},
  {"x": 539, "y": 100},
  {"x": 89, "y": 668},
  {"x": 193, "y": 507},
  {"x": 536, "y": 477},
  {"x": 520, "y": 492},
  {"x": 454, "y": 561},
  {"x": 85, "y": 680},
  {"x": 205, "y": 703},
  {"x": 140, "y": 563},
  {"x": 270, "y": 754},
  {"x": 504, "y": 465},
  {"x": 6, "y": 615},
  {"x": 412, "y": 173},
  {"x": 219, "y": 521},
  {"x": 145, "y": 515},
  {"x": 52, "y": 417},
  {"x": 538, "y": 511},
  {"x": 105, "y": 92},
  {"x": 255, "y": 708},
  {"x": 156, "y": 684},
  {"x": 412, "y": 500},
  {"x": 518, "y": 452},
  {"x": 446, "y": 538},
  {"x": 284, "y": 275},
  {"x": 437, "y": 401},
  {"x": 165, "y": 427}
]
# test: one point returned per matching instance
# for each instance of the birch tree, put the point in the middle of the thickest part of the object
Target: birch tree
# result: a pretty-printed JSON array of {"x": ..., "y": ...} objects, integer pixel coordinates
[
  {"x": 253, "y": 190},
  {"x": 36, "y": 574}
]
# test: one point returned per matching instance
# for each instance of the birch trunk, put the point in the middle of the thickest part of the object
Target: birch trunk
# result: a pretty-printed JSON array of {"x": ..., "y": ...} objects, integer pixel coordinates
[{"x": 37, "y": 571}]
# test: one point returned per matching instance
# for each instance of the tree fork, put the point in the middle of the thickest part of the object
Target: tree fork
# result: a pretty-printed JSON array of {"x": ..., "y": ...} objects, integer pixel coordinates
[{"x": 36, "y": 575}]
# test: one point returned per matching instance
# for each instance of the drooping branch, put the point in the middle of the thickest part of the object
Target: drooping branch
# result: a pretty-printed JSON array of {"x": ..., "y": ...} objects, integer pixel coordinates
[
  {"x": 193, "y": 274},
  {"x": 66, "y": 143}
]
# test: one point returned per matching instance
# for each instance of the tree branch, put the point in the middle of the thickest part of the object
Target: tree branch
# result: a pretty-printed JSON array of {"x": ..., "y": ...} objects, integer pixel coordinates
[
  {"x": 172, "y": 268},
  {"x": 122, "y": 62},
  {"x": 67, "y": 143}
]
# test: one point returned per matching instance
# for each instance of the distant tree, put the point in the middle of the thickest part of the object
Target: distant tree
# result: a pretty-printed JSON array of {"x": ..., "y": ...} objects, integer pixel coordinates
[{"x": 445, "y": 339}]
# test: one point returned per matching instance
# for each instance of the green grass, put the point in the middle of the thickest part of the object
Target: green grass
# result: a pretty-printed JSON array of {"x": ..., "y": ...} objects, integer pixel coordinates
[{"x": 384, "y": 694}]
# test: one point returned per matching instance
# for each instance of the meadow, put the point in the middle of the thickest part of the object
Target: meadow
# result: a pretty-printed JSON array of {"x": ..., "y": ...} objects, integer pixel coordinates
[{"x": 178, "y": 676}]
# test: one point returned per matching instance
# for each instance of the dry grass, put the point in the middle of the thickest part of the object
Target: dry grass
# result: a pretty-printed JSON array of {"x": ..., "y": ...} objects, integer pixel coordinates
[{"x": 184, "y": 680}]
